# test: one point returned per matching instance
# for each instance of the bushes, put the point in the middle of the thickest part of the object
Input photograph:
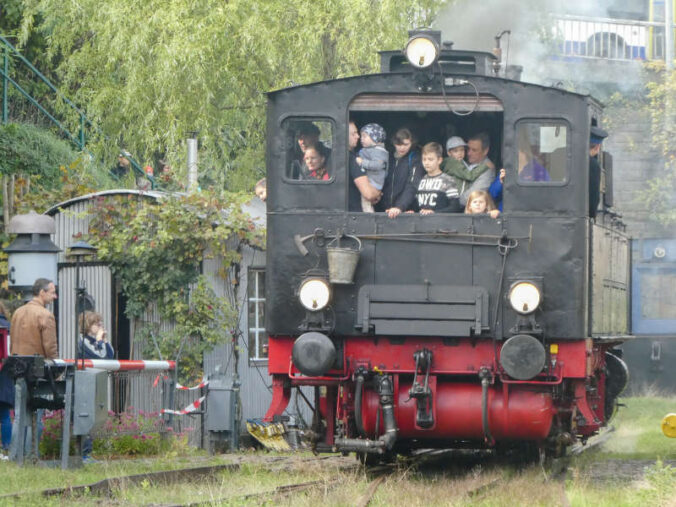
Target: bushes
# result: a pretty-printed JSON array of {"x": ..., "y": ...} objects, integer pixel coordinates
[
  {"x": 25, "y": 149},
  {"x": 50, "y": 443},
  {"x": 129, "y": 433}
]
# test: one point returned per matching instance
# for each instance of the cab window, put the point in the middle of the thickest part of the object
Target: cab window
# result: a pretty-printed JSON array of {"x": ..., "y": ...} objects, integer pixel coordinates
[
  {"x": 308, "y": 145},
  {"x": 542, "y": 152}
]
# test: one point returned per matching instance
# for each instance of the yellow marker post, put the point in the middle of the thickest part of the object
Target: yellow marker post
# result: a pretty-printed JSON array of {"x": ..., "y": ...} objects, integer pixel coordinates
[{"x": 669, "y": 425}]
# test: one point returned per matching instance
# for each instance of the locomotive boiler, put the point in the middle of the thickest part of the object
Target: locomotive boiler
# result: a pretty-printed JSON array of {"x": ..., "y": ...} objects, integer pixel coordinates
[{"x": 444, "y": 330}]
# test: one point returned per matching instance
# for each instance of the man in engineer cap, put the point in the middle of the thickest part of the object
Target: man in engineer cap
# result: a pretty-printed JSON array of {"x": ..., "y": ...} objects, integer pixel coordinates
[{"x": 597, "y": 135}]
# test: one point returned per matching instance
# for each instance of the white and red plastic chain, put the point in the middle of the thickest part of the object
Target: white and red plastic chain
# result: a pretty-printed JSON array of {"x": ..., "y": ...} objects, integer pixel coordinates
[
  {"x": 202, "y": 384},
  {"x": 187, "y": 410}
]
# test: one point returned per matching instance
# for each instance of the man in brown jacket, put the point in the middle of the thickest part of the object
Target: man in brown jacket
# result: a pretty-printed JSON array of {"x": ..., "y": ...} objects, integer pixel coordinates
[{"x": 33, "y": 326}]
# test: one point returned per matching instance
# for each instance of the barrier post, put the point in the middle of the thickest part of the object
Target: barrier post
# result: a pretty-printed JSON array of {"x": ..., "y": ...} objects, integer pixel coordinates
[{"x": 168, "y": 389}]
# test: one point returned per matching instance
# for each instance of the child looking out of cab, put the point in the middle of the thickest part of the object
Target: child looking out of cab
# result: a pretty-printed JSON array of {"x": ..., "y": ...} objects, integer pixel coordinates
[
  {"x": 455, "y": 147},
  {"x": 437, "y": 191},
  {"x": 479, "y": 202},
  {"x": 373, "y": 159}
]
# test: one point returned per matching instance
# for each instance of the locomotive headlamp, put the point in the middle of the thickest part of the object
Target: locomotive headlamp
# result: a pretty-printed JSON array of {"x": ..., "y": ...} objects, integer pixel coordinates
[
  {"x": 314, "y": 294},
  {"x": 524, "y": 297},
  {"x": 421, "y": 50}
]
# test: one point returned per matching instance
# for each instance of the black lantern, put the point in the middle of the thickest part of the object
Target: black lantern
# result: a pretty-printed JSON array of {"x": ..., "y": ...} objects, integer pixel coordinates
[
  {"x": 32, "y": 254},
  {"x": 80, "y": 250}
]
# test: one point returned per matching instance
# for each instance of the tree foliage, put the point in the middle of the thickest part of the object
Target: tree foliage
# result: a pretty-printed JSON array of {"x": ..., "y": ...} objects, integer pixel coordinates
[
  {"x": 25, "y": 149},
  {"x": 659, "y": 193},
  {"x": 149, "y": 72},
  {"x": 45, "y": 169}
]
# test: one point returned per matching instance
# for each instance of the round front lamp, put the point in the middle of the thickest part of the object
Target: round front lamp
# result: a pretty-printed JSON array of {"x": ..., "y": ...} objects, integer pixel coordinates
[
  {"x": 524, "y": 297},
  {"x": 421, "y": 51},
  {"x": 314, "y": 294}
]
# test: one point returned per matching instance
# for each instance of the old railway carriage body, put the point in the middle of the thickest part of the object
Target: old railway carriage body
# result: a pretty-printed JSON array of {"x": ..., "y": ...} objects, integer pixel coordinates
[{"x": 456, "y": 329}]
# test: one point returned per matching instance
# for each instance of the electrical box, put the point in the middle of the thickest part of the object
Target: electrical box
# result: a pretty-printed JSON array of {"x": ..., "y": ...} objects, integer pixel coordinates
[
  {"x": 90, "y": 400},
  {"x": 221, "y": 404}
]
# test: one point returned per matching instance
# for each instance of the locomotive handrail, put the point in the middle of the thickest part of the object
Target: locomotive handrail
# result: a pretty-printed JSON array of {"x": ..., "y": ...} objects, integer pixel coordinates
[
  {"x": 513, "y": 242},
  {"x": 416, "y": 237},
  {"x": 305, "y": 377}
]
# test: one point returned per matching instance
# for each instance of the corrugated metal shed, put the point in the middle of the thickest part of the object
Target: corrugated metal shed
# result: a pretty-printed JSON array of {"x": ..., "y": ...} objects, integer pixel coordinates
[{"x": 71, "y": 222}]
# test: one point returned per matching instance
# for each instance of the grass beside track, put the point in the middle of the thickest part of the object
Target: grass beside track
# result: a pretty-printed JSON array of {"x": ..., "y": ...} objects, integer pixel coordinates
[
  {"x": 632, "y": 468},
  {"x": 635, "y": 467}
]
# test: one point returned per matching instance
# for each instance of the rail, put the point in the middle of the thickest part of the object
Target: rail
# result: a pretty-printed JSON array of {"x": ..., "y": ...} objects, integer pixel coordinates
[{"x": 609, "y": 38}]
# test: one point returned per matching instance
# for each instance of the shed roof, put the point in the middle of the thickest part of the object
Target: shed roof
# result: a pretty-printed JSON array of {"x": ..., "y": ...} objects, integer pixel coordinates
[
  {"x": 152, "y": 194},
  {"x": 255, "y": 208}
]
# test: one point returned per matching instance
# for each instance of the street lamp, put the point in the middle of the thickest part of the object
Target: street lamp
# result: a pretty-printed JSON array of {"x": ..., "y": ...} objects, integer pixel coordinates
[
  {"x": 32, "y": 254},
  {"x": 79, "y": 250}
]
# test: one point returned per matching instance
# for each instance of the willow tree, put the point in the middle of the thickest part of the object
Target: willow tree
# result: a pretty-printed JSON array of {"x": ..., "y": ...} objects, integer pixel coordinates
[
  {"x": 659, "y": 192},
  {"x": 150, "y": 72}
]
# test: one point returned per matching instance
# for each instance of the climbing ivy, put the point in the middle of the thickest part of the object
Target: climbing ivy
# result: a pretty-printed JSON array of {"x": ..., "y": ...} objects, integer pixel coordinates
[{"x": 155, "y": 250}]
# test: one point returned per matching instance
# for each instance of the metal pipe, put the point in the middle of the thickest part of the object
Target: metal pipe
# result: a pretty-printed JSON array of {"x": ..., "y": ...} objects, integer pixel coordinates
[
  {"x": 192, "y": 163},
  {"x": 386, "y": 441},
  {"x": 485, "y": 377},
  {"x": 387, "y": 403},
  {"x": 358, "y": 390}
]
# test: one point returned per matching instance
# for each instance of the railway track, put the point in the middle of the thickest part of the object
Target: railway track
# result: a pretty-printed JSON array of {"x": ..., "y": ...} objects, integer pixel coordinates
[
  {"x": 106, "y": 487},
  {"x": 470, "y": 469}
]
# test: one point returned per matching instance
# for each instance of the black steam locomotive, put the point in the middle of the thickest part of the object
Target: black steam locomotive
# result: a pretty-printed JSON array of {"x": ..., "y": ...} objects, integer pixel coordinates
[{"x": 450, "y": 329}]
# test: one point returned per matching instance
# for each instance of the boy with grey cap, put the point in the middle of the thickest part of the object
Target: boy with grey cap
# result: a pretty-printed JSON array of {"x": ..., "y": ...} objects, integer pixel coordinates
[
  {"x": 455, "y": 147},
  {"x": 373, "y": 159}
]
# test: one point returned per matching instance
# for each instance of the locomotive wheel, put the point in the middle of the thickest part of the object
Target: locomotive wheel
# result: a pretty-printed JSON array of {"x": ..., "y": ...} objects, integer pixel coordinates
[
  {"x": 617, "y": 377},
  {"x": 518, "y": 452},
  {"x": 368, "y": 459}
]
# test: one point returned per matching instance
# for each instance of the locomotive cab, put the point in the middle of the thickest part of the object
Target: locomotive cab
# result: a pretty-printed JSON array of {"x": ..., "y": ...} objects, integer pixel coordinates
[{"x": 449, "y": 329}]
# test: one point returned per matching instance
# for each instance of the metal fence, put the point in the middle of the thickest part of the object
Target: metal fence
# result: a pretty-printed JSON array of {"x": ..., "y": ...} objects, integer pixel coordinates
[
  {"x": 140, "y": 395},
  {"x": 610, "y": 39}
]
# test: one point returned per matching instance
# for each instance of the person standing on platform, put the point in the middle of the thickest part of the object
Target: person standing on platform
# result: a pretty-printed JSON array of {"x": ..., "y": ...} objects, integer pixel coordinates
[
  {"x": 6, "y": 393},
  {"x": 33, "y": 326},
  {"x": 34, "y": 333},
  {"x": 597, "y": 135}
]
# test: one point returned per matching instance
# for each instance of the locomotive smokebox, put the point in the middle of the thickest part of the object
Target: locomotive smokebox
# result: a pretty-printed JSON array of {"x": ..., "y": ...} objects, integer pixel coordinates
[
  {"x": 523, "y": 357},
  {"x": 313, "y": 354}
]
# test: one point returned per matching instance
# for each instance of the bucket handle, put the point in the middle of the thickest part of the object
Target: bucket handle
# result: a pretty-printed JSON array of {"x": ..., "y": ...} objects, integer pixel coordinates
[{"x": 349, "y": 236}]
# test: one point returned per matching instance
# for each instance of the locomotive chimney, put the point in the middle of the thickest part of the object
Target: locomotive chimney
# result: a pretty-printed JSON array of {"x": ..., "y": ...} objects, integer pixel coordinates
[{"x": 513, "y": 72}]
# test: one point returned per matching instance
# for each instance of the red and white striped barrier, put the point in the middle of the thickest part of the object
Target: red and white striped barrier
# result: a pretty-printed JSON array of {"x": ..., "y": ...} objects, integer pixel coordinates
[
  {"x": 119, "y": 365},
  {"x": 187, "y": 410},
  {"x": 202, "y": 384}
]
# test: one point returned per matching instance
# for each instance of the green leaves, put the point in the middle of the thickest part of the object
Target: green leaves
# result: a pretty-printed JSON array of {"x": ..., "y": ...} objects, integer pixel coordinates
[
  {"x": 25, "y": 149},
  {"x": 658, "y": 193},
  {"x": 155, "y": 250},
  {"x": 149, "y": 72}
]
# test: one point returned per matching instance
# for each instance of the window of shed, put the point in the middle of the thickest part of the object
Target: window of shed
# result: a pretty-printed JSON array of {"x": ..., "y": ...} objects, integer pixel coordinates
[
  {"x": 258, "y": 338},
  {"x": 308, "y": 145},
  {"x": 542, "y": 152}
]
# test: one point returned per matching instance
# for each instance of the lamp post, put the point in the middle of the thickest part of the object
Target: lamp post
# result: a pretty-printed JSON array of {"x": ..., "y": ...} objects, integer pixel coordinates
[
  {"x": 79, "y": 250},
  {"x": 32, "y": 254}
]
